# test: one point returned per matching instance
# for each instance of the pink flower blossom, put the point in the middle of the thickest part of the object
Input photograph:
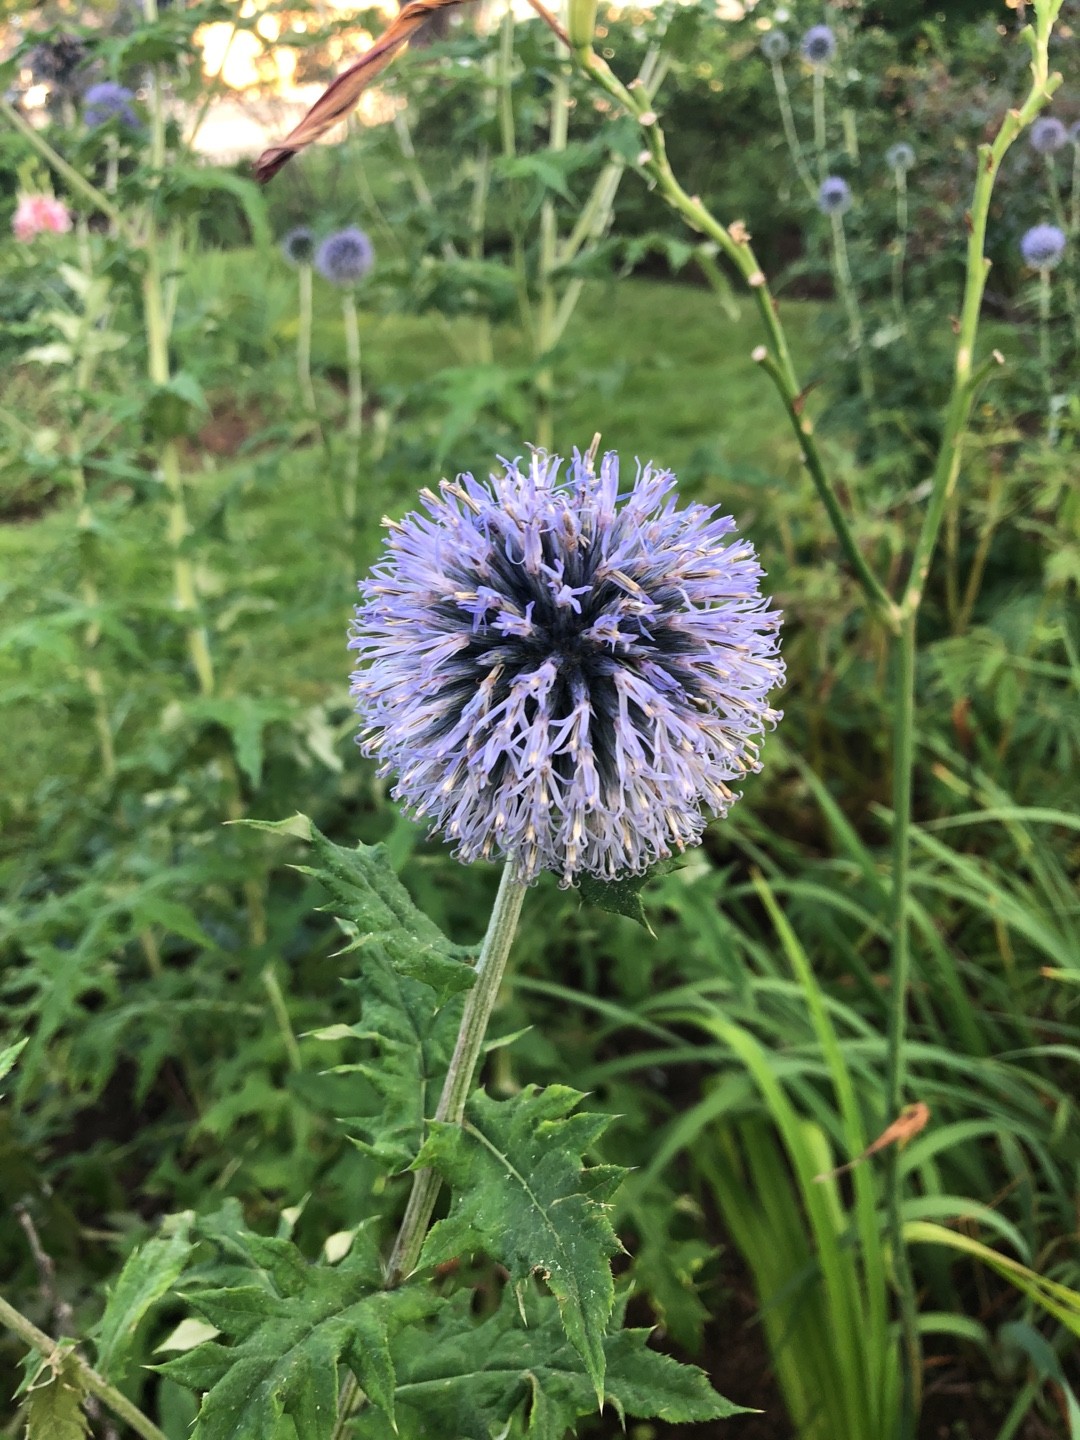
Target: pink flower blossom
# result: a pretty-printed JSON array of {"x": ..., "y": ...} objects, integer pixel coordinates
[{"x": 38, "y": 213}]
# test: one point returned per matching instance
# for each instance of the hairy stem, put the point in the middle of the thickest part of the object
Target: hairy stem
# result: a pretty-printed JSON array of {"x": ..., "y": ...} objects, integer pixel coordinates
[
  {"x": 490, "y": 968},
  {"x": 459, "y": 1078}
]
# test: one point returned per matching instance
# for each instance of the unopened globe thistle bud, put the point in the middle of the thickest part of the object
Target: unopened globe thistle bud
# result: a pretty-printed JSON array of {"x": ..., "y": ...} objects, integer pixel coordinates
[
  {"x": 900, "y": 157},
  {"x": 1048, "y": 135},
  {"x": 1042, "y": 246},
  {"x": 563, "y": 670},
  {"x": 107, "y": 101},
  {"x": 345, "y": 257},
  {"x": 775, "y": 45},
  {"x": 818, "y": 45},
  {"x": 834, "y": 196},
  {"x": 298, "y": 246}
]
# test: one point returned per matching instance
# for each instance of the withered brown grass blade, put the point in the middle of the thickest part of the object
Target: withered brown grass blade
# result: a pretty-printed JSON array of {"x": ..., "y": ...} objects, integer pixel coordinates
[{"x": 341, "y": 96}]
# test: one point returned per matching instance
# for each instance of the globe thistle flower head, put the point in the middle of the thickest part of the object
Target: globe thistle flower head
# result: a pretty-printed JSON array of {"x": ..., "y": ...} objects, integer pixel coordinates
[
  {"x": 1048, "y": 135},
  {"x": 563, "y": 672},
  {"x": 775, "y": 45},
  {"x": 105, "y": 102},
  {"x": 1042, "y": 246},
  {"x": 345, "y": 257},
  {"x": 834, "y": 196},
  {"x": 298, "y": 246},
  {"x": 900, "y": 157},
  {"x": 818, "y": 45}
]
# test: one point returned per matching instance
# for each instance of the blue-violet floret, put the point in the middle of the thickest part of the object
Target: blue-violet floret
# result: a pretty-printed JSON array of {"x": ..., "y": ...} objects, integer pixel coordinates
[
  {"x": 818, "y": 45},
  {"x": 298, "y": 246},
  {"x": 834, "y": 196},
  {"x": 900, "y": 157},
  {"x": 564, "y": 672},
  {"x": 345, "y": 257},
  {"x": 774, "y": 45},
  {"x": 1048, "y": 135},
  {"x": 107, "y": 101},
  {"x": 1042, "y": 246}
]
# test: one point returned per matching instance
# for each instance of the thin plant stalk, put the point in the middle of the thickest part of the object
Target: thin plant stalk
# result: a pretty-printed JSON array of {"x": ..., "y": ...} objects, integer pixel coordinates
[
  {"x": 490, "y": 969},
  {"x": 846, "y": 287},
  {"x": 508, "y": 140},
  {"x": 1068, "y": 225},
  {"x": 93, "y": 1383},
  {"x": 899, "y": 254},
  {"x": 303, "y": 346},
  {"x": 1045, "y": 354},
  {"x": 546, "y": 309},
  {"x": 791, "y": 135},
  {"x": 354, "y": 422},
  {"x": 821, "y": 145}
]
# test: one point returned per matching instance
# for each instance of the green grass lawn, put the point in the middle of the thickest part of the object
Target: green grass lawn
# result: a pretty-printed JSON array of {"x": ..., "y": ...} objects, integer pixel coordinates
[{"x": 658, "y": 368}]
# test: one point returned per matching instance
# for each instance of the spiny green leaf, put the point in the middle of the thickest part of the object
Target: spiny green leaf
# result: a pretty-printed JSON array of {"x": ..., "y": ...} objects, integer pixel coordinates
[
  {"x": 54, "y": 1410},
  {"x": 292, "y": 1326},
  {"x": 522, "y": 1194},
  {"x": 414, "y": 1044},
  {"x": 369, "y": 896},
  {"x": 9, "y": 1055},
  {"x": 622, "y": 897},
  {"x": 457, "y": 1377},
  {"x": 148, "y": 1273}
]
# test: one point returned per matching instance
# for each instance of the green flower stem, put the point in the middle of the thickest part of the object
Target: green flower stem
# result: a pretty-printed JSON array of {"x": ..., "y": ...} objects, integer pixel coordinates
[
  {"x": 91, "y": 1381},
  {"x": 490, "y": 968},
  {"x": 549, "y": 237},
  {"x": 1067, "y": 224},
  {"x": 776, "y": 361},
  {"x": 965, "y": 385},
  {"x": 78, "y": 183},
  {"x": 354, "y": 424},
  {"x": 846, "y": 287},
  {"x": 1044, "y": 347},
  {"x": 504, "y": 89},
  {"x": 303, "y": 347},
  {"x": 821, "y": 148},
  {"x": 791, "y": 135},
  {"x": 900, "y": 246},
  {"x": 185, "y": 594},
  {"x": 903, "y": 765}
]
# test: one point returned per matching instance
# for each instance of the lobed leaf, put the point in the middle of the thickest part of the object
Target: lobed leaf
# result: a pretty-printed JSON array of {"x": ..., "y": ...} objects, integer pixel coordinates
[{"x": 521, "y": 1193}]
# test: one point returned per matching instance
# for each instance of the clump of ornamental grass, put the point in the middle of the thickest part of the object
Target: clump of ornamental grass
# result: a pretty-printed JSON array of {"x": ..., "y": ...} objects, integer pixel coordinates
[{"x": 565, "y": 669}]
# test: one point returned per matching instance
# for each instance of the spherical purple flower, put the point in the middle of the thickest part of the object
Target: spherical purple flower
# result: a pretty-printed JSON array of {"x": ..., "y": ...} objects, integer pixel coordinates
[
  {"x": 1042, "y": 246},
  {"x": 345, "y": 257},
  {"x": 900, "y": 157},
  {"x": 834, "y": 196},
  {"x": 774, "y": 45},
  {"x": 105, "y": 102},
  {"x": 564, "y": 673},
  {"x": 818, "y": 45},
  {"x": 1048, "y": 135},
  {"x": 298, "y": 246}
]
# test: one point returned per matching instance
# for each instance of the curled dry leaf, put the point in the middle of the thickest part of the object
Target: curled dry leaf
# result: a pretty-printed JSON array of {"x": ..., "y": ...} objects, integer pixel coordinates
[
  {"x": 341, "y": 96},
  {"x": 905, "y": 1127}
]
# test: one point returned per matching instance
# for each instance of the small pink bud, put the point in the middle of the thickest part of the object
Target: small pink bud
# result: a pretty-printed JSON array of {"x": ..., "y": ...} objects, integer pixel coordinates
[{"x": 36, "y": 214}]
